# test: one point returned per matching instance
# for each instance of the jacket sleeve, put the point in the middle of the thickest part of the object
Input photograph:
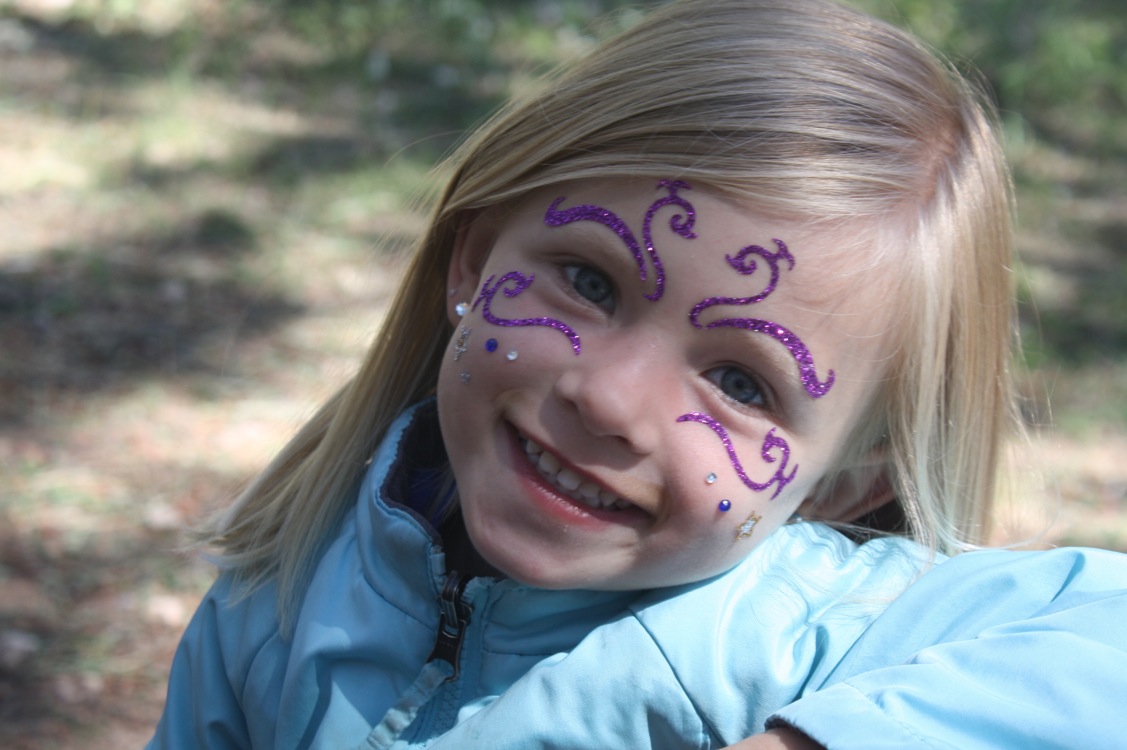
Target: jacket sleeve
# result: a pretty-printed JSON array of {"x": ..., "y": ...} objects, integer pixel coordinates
[
  {"x": 988, "y": 650},
  {"x": 203, "y": 706}
]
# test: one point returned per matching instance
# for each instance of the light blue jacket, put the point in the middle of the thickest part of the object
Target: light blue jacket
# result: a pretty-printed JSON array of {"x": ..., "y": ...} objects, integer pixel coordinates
[
  {"x": 356, "y": 669},
  {"x": 989, "y": 649}
]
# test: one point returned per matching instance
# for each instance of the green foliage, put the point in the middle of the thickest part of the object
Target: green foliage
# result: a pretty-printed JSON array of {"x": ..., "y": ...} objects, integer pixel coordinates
[
  {"x": 1057, "y": 64},
  {"x": 470, "y": 32}
]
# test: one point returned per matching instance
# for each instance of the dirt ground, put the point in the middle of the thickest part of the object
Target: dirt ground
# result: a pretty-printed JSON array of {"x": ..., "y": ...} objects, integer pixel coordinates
[{"x": 174, "y": 301}]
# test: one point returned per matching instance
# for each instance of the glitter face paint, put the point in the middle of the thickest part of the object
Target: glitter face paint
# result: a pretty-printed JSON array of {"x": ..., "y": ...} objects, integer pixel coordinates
[
  {"x": 779, "y": 480},
  {"x": 748, "y": 526},
  {"x": 802, "y": 357},
  {"x": 520, "y": 283},
  {"x": 747, "y": 266},
  {"x": 742, "y": 264},
  {"x": 681, "y": 224},
  {"x": 460, "y": 344}
]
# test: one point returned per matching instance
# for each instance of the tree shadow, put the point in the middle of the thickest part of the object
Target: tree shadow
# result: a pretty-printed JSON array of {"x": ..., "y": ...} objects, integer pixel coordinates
[
  {"x": 118, "y": 54},
  {"x": 285, "y": 162},
  {"x": 98, "y": 67},
  {"x": 82, "y": 319},
  {"x": 97, "y": 619},
  {"x": 426, "y": 99}
]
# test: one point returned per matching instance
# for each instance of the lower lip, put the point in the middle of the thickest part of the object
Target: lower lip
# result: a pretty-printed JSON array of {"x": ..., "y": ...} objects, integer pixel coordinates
[{"x": 563, "y": 507}]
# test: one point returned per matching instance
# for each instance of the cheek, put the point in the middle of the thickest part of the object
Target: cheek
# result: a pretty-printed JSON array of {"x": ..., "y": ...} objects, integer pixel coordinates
[
  {"x": 504, "y": 338},
  {"x": 482, "y": 362},
  {"x": 774, "y": 451},
  {"x": 711, "y": 543},
  {"x": 727, "y": 515}
]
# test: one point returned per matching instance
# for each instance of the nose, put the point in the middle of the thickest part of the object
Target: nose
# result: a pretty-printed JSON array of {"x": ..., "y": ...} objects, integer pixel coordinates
[{"x": 617, "y": 393}]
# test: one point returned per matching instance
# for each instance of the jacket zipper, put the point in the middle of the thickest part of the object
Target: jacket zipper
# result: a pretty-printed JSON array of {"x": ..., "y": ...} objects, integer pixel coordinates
[{"x": 455, "y": 617}]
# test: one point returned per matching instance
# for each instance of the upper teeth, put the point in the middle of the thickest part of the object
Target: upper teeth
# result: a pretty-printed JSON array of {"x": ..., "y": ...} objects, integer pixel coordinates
[{"x": 570, "y": 483}]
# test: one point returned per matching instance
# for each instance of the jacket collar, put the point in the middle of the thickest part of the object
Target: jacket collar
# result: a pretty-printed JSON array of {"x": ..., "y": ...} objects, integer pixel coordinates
[{"x": 403, "y": 559}]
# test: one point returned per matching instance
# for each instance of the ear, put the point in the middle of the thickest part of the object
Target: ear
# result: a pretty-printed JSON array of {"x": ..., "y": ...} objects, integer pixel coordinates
[
  {"x": 474, "y": 238},
  {"x": 854, "y": 492}
]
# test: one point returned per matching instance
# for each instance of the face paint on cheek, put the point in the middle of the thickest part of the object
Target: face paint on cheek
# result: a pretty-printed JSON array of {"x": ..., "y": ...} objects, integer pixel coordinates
[
  {"x": 681, "y": 224},
  {"x": 520, "y": 283},
  {"x": 780, "y": 479}
]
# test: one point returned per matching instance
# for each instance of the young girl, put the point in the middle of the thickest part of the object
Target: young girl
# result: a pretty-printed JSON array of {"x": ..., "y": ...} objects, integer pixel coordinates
[{"x": 746, "y": 261}]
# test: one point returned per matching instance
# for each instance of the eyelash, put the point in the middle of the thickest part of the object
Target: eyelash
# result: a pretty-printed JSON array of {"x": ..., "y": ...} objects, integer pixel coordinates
[{"x": 716, "y": 376}]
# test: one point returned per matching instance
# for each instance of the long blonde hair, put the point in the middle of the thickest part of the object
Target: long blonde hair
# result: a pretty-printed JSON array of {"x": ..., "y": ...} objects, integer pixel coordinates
[{"x": 800, "y": 108}]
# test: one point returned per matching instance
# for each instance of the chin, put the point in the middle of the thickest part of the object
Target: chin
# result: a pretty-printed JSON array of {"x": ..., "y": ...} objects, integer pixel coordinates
[
  {"x": 533, "y": 570},
  {"x": 532, "y": 567}
]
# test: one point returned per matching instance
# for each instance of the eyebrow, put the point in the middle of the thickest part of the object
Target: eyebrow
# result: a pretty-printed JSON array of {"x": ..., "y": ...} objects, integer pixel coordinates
[
  {"x": 772, "y": 362},
  {"x": 554, "y": 217},
  {"x": 611, "y": 257},
  {"x": 807, "y": 373},
  {"x": 681, "y": 224}
]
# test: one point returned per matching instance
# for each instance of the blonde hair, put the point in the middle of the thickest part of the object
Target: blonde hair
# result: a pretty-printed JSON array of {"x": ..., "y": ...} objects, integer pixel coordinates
[{"x": 800, "y": 108}]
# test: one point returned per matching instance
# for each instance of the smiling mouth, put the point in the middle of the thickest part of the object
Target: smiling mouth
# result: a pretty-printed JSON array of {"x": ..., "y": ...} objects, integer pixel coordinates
[{"x": 567, "y": 482}]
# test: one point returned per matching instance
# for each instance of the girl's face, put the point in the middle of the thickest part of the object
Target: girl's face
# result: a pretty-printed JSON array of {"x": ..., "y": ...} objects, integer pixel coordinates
[{"x": 647, "y": 380}]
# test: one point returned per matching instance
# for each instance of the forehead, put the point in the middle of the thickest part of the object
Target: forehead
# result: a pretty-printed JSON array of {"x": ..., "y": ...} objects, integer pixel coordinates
[{"x": 836, "y": 263}]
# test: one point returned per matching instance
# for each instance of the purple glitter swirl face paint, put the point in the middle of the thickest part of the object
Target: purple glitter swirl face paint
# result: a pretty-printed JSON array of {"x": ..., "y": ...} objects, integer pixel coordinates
[
  {"x": 748, "y": 266},
  {"x": 520, "y": 283},
  {"x": 681, "y": 224},
  {"x": 802, "y": 356},
  {"x": 780, "y": 479}
]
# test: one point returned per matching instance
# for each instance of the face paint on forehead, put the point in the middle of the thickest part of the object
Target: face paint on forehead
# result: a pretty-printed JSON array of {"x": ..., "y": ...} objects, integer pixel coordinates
[
  {"x": 520, "y": 283},
  {"x": 802, "y": 356},
  {"x": 747, "y": 266},
  {"x": 681, "y": 224},
  {"x": 780, "y": 479}
]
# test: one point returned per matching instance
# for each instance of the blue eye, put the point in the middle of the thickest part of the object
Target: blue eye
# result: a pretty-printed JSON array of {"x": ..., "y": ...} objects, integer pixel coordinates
[
  {"x": 737, "y": 384},
  {"x": 591, "y": 285}
]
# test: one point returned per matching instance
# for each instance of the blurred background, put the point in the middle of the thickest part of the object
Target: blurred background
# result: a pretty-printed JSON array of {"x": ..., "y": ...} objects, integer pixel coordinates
[{"x": 203, "y": 204}]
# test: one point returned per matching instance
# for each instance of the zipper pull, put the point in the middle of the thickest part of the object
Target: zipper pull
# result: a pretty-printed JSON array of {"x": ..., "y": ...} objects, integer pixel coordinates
[{"x": 452, "y": 623}]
